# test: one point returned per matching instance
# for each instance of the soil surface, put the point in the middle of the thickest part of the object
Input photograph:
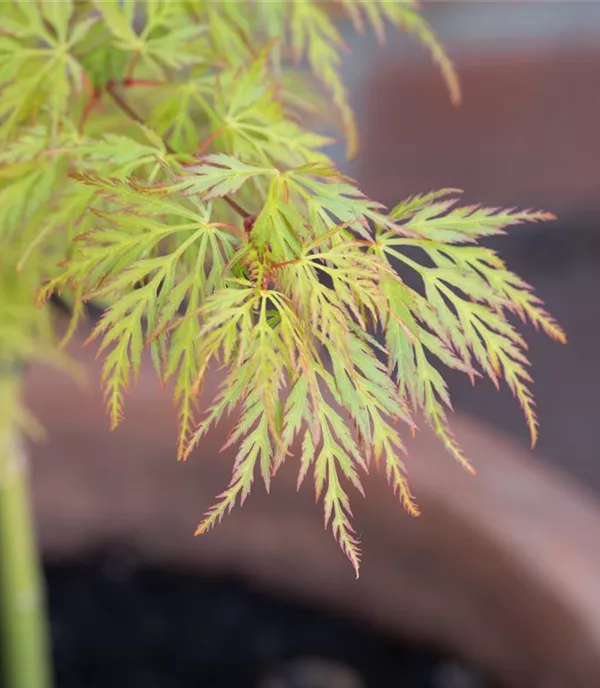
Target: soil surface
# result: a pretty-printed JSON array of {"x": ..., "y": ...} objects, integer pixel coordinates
[{"x": 118, "y": 623}]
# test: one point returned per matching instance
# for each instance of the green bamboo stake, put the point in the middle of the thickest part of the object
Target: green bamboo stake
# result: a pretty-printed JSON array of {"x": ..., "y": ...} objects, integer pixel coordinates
[{"x": 24, "y": 645}]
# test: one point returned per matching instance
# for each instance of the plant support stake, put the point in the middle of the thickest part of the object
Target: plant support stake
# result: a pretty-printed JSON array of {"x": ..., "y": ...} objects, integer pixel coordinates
[{"x": 24, "y": 650}]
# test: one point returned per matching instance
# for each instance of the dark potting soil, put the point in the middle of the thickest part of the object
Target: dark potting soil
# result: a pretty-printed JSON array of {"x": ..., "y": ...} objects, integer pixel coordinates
[{"x": 119, "y": 624}]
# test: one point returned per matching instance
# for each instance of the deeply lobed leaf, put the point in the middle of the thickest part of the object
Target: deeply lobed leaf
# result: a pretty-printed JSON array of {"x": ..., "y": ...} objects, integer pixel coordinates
[{"x": 154, "y": 160}]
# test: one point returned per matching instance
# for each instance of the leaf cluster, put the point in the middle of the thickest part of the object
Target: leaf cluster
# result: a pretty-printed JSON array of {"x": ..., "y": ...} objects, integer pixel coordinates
[{"x": 155, "y": 159}]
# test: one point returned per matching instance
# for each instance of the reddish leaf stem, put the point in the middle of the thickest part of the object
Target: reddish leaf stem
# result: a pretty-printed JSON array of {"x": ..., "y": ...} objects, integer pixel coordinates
[{"x": 124, "y": 105}]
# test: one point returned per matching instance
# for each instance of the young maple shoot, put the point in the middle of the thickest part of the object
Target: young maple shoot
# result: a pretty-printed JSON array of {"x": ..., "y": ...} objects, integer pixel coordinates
[{"x": 154, "y": 161}]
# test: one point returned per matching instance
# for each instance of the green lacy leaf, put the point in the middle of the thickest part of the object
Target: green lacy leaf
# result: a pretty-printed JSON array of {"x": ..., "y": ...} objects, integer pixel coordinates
[{"x": 164, "y": 161}]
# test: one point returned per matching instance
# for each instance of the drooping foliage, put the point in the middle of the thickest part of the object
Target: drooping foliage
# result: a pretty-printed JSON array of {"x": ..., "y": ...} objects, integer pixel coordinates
[{"x": 155, "y": 159}]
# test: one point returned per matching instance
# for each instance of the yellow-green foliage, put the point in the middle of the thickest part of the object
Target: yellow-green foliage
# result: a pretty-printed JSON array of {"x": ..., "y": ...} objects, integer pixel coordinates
[{"x": 153, "y": 159}]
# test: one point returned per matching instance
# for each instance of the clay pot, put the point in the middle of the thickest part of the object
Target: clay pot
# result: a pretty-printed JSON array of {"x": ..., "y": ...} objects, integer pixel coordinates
[{"x": 501, "y": 569}]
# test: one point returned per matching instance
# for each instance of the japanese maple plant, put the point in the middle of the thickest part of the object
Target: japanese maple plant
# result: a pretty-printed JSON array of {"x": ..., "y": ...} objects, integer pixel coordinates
[{"x": 155, "y": 160}]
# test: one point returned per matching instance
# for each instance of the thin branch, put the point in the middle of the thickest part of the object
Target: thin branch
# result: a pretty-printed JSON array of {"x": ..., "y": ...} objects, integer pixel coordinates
[
  {"x": 124, "y": 105},
  {"x": 89, "y": 106},
  {"x": 147, "y": 83},
  {"x": 235, "y": 206},
  {"x": 133, "y": 65}
]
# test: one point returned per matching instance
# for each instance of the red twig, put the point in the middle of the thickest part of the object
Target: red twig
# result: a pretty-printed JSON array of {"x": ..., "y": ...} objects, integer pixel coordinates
[
  {"x": 126, "y": 83},
  {"x": 93, "y": 96},
  {"x": 206, "y": 143},
  {"x": 87, "y": 109},
  {"x": 236, "y": 206}
]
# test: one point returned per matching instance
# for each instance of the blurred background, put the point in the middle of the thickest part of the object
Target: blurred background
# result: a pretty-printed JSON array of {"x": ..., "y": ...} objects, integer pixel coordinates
[
  {"x": 525, "y": 135},
  {"x": 497, "y": 584}
]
